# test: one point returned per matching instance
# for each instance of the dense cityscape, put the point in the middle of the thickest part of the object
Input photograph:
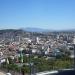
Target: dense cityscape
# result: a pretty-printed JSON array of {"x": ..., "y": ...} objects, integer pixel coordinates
[
  {"x": 37, "y": 37},
  {"x": 32, "y": 52}
]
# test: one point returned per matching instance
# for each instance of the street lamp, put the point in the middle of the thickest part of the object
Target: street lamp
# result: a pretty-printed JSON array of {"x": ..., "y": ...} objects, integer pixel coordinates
[{"x": 21, "y": 56}]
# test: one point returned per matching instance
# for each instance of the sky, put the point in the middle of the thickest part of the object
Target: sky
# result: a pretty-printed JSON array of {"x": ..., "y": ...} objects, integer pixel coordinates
[{"x": 46, "y": 14}]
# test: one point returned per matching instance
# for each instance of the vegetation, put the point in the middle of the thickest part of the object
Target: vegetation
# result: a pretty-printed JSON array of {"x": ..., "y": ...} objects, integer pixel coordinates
[{"x": 41, "y": 64}]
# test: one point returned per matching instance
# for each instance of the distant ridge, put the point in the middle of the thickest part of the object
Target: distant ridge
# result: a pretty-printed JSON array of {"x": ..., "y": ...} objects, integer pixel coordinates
[
  {"x": 36, "y": 29},
  {"x": 28, "y": 29}
]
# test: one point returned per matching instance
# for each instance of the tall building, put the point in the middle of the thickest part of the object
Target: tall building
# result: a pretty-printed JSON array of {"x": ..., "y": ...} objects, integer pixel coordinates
[
  {"x": 49, "y": 49},
  {"x": 74, "y": 40},
  {"x": 57, "y": 36},
  {"x": 38, "y": 40}
]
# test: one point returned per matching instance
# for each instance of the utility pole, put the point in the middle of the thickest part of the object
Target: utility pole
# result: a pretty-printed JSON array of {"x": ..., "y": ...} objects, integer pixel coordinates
[
  {"x": 7, "y": 64},
  {"x": 29, "y": 57},
  {"x": 74, "y": 56},
  {"x": 21, "y": 56}
]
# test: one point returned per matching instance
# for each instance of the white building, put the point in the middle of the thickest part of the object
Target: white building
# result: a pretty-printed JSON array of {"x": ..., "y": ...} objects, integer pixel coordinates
[
  {"x": 74, "y": 40},
  {"x": 1, "y": 53},
  {"x": 38, "y": 40}
]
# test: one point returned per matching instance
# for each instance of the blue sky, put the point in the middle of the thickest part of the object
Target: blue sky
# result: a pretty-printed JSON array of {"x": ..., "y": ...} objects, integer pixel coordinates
[{"x": 46, "y": 14}]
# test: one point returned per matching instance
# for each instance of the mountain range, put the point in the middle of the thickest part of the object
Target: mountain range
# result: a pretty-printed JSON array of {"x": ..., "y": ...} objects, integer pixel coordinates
[
  {"x": 36, "y": 30},
  {"x": 29, "y": 29}
]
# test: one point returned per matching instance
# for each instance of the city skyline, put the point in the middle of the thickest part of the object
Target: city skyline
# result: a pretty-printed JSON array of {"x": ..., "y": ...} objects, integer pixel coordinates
[{"x": 45, "y": 14}]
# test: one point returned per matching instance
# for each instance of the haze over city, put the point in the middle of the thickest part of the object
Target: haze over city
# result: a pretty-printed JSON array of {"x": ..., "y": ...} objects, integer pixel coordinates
[{"x": 46, "y": 14}]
